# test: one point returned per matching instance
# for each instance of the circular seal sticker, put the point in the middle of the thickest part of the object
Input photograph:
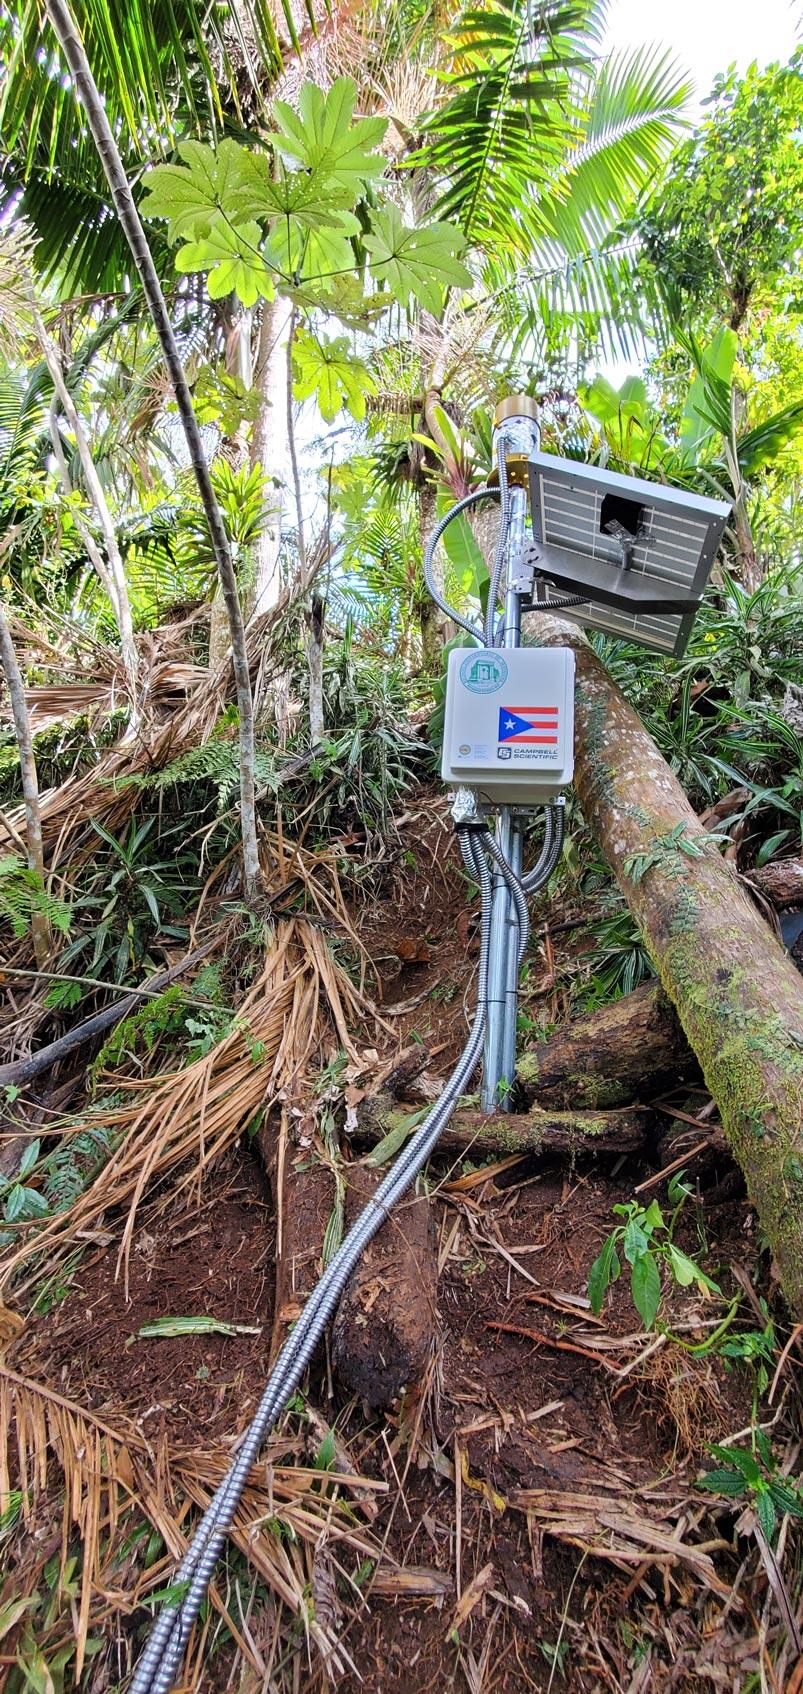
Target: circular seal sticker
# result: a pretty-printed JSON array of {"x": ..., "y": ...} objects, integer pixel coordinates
[{"x": 483, "y": 673}]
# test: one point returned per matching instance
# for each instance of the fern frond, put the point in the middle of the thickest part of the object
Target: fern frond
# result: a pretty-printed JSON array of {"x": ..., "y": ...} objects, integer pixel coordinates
[{"x": 23, "y": 897}]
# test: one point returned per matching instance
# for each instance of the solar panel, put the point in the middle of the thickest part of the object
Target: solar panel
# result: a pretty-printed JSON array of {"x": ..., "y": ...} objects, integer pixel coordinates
[{"x": 643, "y": 551}]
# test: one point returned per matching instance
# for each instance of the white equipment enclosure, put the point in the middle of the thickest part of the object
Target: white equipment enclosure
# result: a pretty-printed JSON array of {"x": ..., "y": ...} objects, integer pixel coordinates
[{"x": 509, "y": 728}]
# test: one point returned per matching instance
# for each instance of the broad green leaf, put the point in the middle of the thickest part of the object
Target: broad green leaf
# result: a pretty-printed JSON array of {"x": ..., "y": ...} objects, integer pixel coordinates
[
  {"x": 332, "y": 372},
  {"x": 707, "y": 409},
  {"x": 723, "y": 1482},
  {"x": 165, "y": 1328},
  {"x": 786, "y": 1498},
  {"x": 603, "y": 1272},
  {"x": 635, "y": 1242},
  {"x": 322, "y": 138},
  {"x": 390, "y": 1144},
  {"x": 465, "y": 556},
  {"x": 310, "y": 197},
  {"x": 764, "y": 1446},
  {"x": 232, "y": 260},
  {"x": 766, "y": 1514},
  {"x": 221, "y": 397},
  {"x": 29, "y": 1158},
  {"x": 317, "y": 251},
  {"x": 23, "y": 1203},
  {"x": 645, "y": 1287},
  {"x": 683, "y": 1269},
  {"x": 608, "y": 404},
  {"x": 227, "y": 178},
  {"x": 325, "y": 1456},
  {"x": 743, "y": 1461},
  {"x": 419, "y": 262}
]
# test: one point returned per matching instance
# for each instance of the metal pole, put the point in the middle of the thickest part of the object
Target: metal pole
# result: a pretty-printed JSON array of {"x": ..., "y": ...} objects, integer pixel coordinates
[
  {"x": 510, "y": 1020},
  {"x": 500, "y": 1038},
  {"x": 516, "y": 435}
]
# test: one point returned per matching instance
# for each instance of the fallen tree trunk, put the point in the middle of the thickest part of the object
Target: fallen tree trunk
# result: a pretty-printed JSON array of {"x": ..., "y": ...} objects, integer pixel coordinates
[
  {"x": 303, "y": 1192},
  {"x": 534, "y": 1131},
  {"x": 782, "y": 882},
  {"x": 627, "y": 1051},
  {"x": 737, "y": 994},
  {"x": 386, "y": 1323}
]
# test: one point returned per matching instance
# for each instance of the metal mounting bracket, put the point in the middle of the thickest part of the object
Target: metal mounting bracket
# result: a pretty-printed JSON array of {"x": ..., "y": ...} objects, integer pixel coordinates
[{"x": 605, "y": 582}]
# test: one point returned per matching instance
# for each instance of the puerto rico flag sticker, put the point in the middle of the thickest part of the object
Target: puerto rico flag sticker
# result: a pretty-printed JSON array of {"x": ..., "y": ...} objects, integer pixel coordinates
[{"x": 531, "y": 726}]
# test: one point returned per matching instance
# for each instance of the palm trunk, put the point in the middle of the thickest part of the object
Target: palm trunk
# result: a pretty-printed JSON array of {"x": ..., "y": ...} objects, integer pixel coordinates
[
  {"x": 40, "y": 929},
  {"x": 432, "y": 624},
  {"x": 315, "y": 662},
  {"x": 67, "y": 34},
  {"x": 736, "y": 992},
  {"x": 270, "y": 447},
  {"x": 239, "y": 363}
]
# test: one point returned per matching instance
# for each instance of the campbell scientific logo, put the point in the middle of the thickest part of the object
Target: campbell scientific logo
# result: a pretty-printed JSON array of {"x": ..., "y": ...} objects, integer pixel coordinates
[{"x": 483, "y": 673}]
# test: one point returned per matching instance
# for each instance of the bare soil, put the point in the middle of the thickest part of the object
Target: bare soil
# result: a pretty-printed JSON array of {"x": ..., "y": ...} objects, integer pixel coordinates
[{"x": 508, "y": 1425}]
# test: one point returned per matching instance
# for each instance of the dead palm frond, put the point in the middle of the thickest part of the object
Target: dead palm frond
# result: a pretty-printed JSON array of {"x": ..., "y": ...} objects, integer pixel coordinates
[
  {"x": 16, "y": 256},
  {"x": 38, "y": 1425},
  {"x": 106, "y": 794},
  {"x": 57, "y": 1455},
  {"x": 179, "y": 1124}
]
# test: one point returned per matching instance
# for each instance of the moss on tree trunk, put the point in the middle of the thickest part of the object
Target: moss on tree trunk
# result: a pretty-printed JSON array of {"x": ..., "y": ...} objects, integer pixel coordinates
[{"x": 737, "y": 995}]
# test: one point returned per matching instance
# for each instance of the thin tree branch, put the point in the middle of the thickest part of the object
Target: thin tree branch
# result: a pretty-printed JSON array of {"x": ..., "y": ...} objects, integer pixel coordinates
[
  {"x": 291, "y": 445},
  {"x": 40, "y": 929},
  {"x": 111, "y": 575}
]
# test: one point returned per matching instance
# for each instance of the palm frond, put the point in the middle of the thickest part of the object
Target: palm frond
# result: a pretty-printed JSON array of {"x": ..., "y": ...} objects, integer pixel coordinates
[
  {"x": 503, "y": 132},
  {"x": 632, "y": 120},
  {"x": 167, "y": 69}
]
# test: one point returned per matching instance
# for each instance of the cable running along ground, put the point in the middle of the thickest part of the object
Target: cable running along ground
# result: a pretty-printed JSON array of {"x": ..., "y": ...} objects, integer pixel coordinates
[{"x": 164, "y": 1652}]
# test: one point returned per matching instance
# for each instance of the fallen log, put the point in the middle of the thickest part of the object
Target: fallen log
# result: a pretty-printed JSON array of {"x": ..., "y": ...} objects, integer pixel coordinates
[
  {"x": 630, "y": 1050},
  {"x": 303, "y": 1192},
  {"x": 736, "y": 992},
  {"x": 534, "y": 1131},
  {"x": 781, "y": 882},
  {"x": 22, "y": 1071},
  {"x": 386, "y": 1324}
]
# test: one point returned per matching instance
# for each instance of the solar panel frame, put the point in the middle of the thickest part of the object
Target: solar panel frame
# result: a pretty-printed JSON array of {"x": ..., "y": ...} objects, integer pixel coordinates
[{"x": 675, "y": 554}]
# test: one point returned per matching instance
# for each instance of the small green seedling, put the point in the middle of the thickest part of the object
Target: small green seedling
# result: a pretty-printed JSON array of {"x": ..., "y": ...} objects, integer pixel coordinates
[
  {"x": 755, "y": 1477},
  {"x": 21, "y": 1202},
  {"x": 645, "y": 1240},
  {"x": 756, "y": 1349}
]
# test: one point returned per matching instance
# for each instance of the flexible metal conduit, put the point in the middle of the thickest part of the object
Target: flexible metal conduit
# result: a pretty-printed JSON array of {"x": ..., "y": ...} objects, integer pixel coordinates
[
  {"x": 489, "y": 491},
  {"x": 164, "y": 1651}
]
